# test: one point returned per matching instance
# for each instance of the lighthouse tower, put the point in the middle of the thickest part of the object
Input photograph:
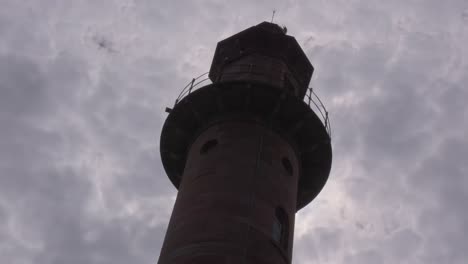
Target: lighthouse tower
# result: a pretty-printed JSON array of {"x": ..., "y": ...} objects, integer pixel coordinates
[{"x": 245, "y": 152}]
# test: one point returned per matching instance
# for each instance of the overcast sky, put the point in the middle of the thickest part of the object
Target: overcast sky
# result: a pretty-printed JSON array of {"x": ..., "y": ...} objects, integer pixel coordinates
[{"x": 81, "y": 179}]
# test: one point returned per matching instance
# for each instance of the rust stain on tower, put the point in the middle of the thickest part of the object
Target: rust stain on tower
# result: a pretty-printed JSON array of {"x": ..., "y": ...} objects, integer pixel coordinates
[{"x": 246, "y": 152}]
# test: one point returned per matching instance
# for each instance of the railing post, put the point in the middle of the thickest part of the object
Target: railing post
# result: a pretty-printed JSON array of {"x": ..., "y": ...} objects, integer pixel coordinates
[
  {"x": 326, "y": 120},
  {"x": 191, "y": 85}
]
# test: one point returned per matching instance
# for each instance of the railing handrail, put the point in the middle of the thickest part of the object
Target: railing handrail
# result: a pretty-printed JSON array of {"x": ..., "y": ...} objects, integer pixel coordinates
[
  {"x": 190, "y": 86},
  {"x": 310, "y": 96},
  {"x": 322, "y": 109}
]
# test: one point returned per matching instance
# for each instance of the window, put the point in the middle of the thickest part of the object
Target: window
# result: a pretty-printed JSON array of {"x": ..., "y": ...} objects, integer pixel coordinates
[
  {"x": 280, "y": 231},
  {"x": 277, "y": 229},
  {"x": 209, "y": 145}
]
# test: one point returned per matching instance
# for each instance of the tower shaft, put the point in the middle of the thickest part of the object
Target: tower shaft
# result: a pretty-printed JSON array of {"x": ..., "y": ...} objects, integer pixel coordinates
[{"x": 237, "y": 198}]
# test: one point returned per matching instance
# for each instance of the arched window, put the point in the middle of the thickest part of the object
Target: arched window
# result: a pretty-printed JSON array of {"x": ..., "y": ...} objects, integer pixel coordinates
[
  {"x": 209, "y": 145},
  {"x": 280, "y": 230}
]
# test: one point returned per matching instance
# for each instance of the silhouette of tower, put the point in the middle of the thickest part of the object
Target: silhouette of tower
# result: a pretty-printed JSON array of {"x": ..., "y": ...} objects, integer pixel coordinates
[{"x": 245, "y": 152}]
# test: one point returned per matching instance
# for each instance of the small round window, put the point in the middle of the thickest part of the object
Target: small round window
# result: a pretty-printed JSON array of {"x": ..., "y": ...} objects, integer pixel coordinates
[
  {"x": 209, "y": 145},
  {"x": 287, "y": 165}
]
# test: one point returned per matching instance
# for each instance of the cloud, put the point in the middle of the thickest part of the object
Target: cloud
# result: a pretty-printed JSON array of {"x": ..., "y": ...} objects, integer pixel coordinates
[{"x": 81, "y": 179}]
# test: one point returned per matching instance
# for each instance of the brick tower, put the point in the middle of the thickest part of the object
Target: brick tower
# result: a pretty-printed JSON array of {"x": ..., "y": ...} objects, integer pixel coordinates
[{"x": 245, "y": 152}]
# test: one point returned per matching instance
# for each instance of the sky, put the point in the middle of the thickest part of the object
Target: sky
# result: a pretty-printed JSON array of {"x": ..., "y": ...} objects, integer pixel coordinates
[{"x": 84, "y": 85}]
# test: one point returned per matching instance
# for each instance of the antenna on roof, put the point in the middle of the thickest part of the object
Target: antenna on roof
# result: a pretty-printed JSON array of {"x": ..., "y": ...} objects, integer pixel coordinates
[{"x": 273, "y": 15}]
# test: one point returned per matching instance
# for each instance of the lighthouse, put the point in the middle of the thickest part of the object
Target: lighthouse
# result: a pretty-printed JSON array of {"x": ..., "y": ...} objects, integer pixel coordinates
[{"x": 247, "y": 145}]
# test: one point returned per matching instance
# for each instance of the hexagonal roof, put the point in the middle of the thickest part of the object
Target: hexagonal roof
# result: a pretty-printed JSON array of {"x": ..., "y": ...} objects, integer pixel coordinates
[{"x": 266, "y": 39}]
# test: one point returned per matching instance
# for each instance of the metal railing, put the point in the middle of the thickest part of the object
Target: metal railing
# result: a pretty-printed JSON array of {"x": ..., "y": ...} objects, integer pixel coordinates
[
  {"x": 194, "y": 83},
  {"x": 311, "y": 98}
]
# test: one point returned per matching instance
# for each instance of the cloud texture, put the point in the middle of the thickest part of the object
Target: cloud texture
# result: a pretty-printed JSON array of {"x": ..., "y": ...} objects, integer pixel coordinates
[{"x": 84, "y": 84}]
